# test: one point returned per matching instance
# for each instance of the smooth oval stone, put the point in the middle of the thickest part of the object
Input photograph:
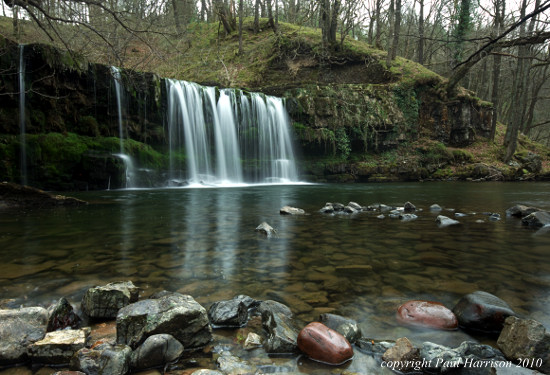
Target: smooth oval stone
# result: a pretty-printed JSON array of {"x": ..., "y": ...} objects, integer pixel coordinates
[
  {"x": 427, "y": 314},
  {"x": 482, "y": 311},
  {"x": 323, "y": 344}
]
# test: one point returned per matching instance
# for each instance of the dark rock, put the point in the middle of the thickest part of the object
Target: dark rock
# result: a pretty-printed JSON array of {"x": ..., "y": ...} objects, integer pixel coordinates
[
  {"x": 230, "y": 313},
  {"x": 18, "y": 329},
  {"x": 103, "y": 359},
  {"x": 328, "y": 209},
  {"x": 482, "y": 311},
  {"x": 103, "y": 302},
  {"x": 249, "y": 302},
  {"x": 344, "y": 326},
  {"x": 537, "y": 219},
  {"x": 156, "y": 351},
  {"x": 395, "y": 214},
  {"x": 404, "y": 353},
  {"x": 494, "y": 217},
  {"x": 14, "y": 195},
  {"x": 444, "y": 221},
  {"x": 274, "y": 307},
  {"x": 58, "y": 347},
  {"x": 266, "y": 229},
  {"x": 427, "y": 314},
  {"x": 408, "y": 217},
  {"x": 338, "y": 206},
  {"x": 440, "y": 358},
  {"x": 175, "y": 314},
  {"x": 543, "y": 231},
  {"x": 323, "y": 344},
  {"x": 355, "y": 206},
  {"x": 350, "y": 210},
  {"x": 409, "y": 207},
  {"x": 62, "y": 316},
  {"x": 288, "y": 210},
  {"x": 281, "y": 333},
  {"x": 530, "y": 161},
  {"x": 520, "y": 210},
  {"x": 373, "y": 347},
  {"x": 525, "y": 341}
]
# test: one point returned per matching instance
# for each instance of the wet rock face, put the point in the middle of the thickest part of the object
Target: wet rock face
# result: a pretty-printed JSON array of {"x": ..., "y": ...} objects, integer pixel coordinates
[
  {"x": 18, "y": 329},
  {"x": 444, "y": 221},
  {"x": 62, "y": 316},
  {"x": 427, "y": 314},
  {"x": 103, "y": 302},
  {"x": 288, "y": 210},
  {"x": 344, "y": 326},
  {"x": 537, "y": 219},
  {"x": 526, "y": 342},
  {"x": 482, "y": 311},
  {"x": 231, "y": 313},
  {"x": 176, "y": 314},
  {"x": 521, "y": 210},
  {"x": 281, "y": 333},
  {"x": 324, "y": 344},
  {"x": 102, "y": 359},
  {"x": 266, "y": 229},
  {"x": 156, "y": 351}
]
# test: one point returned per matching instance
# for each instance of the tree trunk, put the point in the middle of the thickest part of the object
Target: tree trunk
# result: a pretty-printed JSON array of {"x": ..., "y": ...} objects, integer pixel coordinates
[
  {"x": 390, "y": 34},
  {"x": 240, "y": 27},
  {"x": 257, "y": 16},
  {"x": 421, "y": 33},
  {"x": 378, "y": 34},
  {"x": 396, "y": 29},
  {"x": 270, "y": 16}
]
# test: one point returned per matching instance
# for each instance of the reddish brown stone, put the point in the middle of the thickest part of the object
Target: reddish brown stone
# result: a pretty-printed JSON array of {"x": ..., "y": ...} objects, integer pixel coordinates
[
  {"x": 427, "y": 314},
  {"x": 324, "y": 344}
]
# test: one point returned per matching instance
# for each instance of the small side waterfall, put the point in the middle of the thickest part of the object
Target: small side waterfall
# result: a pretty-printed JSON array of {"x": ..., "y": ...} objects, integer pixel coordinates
[
  {"x": 22, "y": 128},
  {"x": 129, "y": 165},
  {"x": 238, "y": 138}
]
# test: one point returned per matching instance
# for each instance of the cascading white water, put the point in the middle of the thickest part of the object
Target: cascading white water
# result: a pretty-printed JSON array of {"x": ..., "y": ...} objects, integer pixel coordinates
[
  {"x": 22, "y": 129},
  {"x": 128, "y": 164},
  {"x": 234, "y": 130}
]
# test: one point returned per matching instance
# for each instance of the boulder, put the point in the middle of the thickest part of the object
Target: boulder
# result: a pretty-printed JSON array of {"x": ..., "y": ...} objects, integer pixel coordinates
[
  {"x": 281, "y": 333},
  {"x": 356, "y": 206},
  {"x": 288, "y": 210},
  {"x": 102, "y": 359},
  {"x": 231, "y": 313},
  {"x": 520, "y": 210},
  {"x": 18, "y": 329},
  {"x": 427, "y": 314},
  {"x": 58, "y": 347},
  {"x": 403, "y": 352},
  {"x": 328, "y": 209},
  {"x": 435, "y": 208},
  {"x": 62, "y": 316},
  {"x": 526, "y": 342},
  {"x": 482, "y": 311},
  {"x": 323, "y": 344},
  {"x": 444, "y": 221},
  {"x": 103, "y": 302},
  {"x": 350, "y": 210},
  {"x": 266, "y": 229},
  {"x": 175, "y": 314},
  {"x": 248, "y": 301},
  {"x": 156, "y": 351},
  {"x": 338, "y": 206},
  {"x": 409, "y": 207},
  {"x": 274, "y": 307},
  {"x": 253, "y": 341},
  {"x": 537, "y": 219},
  {"x": 344, "y": 326}
]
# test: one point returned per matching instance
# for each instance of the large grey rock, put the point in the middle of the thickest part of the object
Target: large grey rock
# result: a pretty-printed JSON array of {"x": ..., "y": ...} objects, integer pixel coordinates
[
  {"x": 281, "y": 333},
  {"x": 520, "y": 210},
  {"x": 288, "y": 210},
  {"x": 156, "y": 351},
  {"x": 266, "y": 229},
  {"x": 176, "y": 314},
  {"x": 248, "y": 301},
  {"x": 62, "y": 316},
  {"x": 482, "y": 311},
  {"x": 103, "y": 302},
  {"x": 409, "y": 207},
  {"x": 104, "y": 359},
  {"x": 444, "y": 221},
  {"x": 58, "y": 347},
  {"x": 344, "y": 326},
  {"x": 537, "y": 219},
  {"x": 230, "y": 313},
  {"x": 526, "y": 340},
  {"x": 18, "y": 329},
  {"x": 274, "y": 306},
  {"x": 231, "y": 365}
]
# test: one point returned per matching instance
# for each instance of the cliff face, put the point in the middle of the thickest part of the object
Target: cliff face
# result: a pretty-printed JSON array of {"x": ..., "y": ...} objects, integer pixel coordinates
[{"x": 342, "y": 107}]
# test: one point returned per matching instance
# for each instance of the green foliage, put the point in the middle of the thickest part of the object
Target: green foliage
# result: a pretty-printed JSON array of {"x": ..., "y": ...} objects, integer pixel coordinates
[
  {"x": 342, "y": 143},
  {"x": 409, "y": 103}
]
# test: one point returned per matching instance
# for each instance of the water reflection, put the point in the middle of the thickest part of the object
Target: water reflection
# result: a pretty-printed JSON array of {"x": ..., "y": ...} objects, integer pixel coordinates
[{"x": 202, "y": 242}]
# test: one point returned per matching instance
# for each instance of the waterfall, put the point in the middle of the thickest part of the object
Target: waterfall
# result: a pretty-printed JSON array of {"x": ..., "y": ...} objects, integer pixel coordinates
[
  {"x": 128, "y": 164},
  {"x": 238, "y": 138},
  {"x": 23, "y": 139}
]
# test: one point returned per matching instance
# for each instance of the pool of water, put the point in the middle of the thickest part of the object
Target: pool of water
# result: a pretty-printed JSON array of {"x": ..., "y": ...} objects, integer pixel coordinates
[{"x": 202, "y": 242}]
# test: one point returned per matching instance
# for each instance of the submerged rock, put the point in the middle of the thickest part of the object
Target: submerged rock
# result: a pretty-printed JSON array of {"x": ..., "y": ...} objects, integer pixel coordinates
[
  {"x": 537, "y": 219},
  {"x": 344, "y": 326},
  {"x": 521, "y": 210},
  {"x": 103, "y": 302},
  {"x": 427, "y": 314},
  {"x": 156, "y": 351},
  {"x": 288, "y": 210},
  {"x": 323, "y": 344},
  {"x": 62, "y": 316},
  {"x": 58, "y": 347},
  {"x": 175, "y": 314},
  {"x": 327, "y": 209},
  {"x": 103, "y": 359},
  {"x": 408, "y": 217},
  {"x": 229, "y": 364},
  {"x": 18, "y": 329},
  {"x": 14, "y": 195},
  {"x": 435, "y": 208},
  {"x": 482, "y": 311}
]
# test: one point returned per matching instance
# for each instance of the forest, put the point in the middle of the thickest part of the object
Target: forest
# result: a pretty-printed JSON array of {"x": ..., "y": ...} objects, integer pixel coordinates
[{"x": 498, "y": 49}]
